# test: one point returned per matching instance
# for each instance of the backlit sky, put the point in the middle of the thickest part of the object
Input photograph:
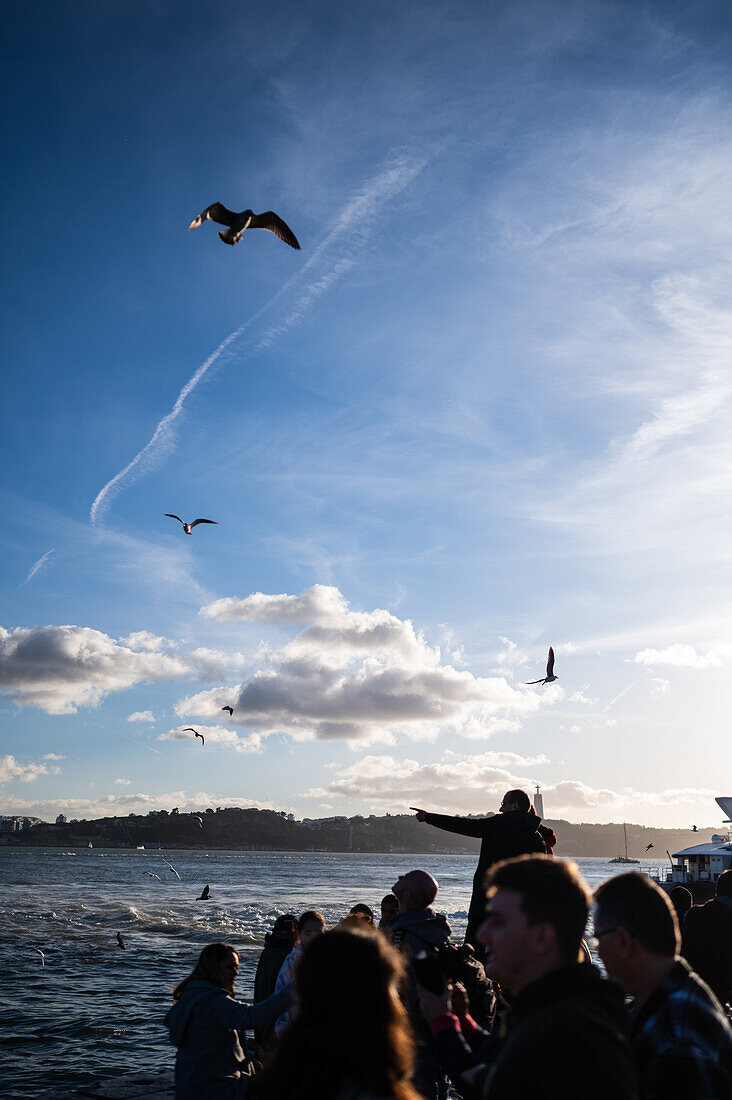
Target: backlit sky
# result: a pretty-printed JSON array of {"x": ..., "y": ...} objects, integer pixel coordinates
[{"x": 484, "y": 410}]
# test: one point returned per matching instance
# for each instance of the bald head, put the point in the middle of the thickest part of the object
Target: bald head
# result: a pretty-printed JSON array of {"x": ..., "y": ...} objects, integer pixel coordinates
[{"x": 415, "y": 890}]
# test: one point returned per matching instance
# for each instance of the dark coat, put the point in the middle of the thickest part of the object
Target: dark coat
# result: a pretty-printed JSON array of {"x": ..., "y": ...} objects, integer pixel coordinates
[
  {"x": 504, "y": 835},
  {"x": 707, "y": 945},
  {"x": 203, "y": 1025},
  {"x": 565, "y": 1036},
  {"x": 277, "y": 946}
]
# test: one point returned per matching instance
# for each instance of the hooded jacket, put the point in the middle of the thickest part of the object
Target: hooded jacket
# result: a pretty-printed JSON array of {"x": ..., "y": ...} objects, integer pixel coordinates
[
  {"x": 566, "y": 1032},
  {"x": 277, "y": 946},
  {"x": 203, "y": 1025}
]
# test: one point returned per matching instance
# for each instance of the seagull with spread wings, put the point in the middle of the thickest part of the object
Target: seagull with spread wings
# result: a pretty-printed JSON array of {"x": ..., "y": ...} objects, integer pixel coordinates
[
  {"x": 188, "y": 527},
  {"x": 190, "y": 729},
  {"x": 205, "y": 894},
  {"x": 247, "y": 219},
  {"x": 550, "y": 677},
  {"x": 120, "y": 941},
  {"x": 230, "y": 710},
  {"x": 172, "y": 868}
]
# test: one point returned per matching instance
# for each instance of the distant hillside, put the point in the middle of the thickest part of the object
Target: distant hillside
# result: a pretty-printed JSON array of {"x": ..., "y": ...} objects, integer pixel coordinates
[{"x": 278, "y": 831}]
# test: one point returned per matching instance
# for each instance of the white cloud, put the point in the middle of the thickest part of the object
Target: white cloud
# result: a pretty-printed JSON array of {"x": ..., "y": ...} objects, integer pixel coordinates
[
  {"x": 141, "y": 716},
  {"x": 11, "y": 770},
  {"x": 143, "y": 639},
  {"x": 113, "y": 805},
  {"x": 53, "y": 756},
  {"x": 123, "y": 782},
  {"x": 680, "y": 656},
  {"x": 60, "y": 668},
  {"x": 217, "y": 735},
  {"x": 362, "y": 676}
]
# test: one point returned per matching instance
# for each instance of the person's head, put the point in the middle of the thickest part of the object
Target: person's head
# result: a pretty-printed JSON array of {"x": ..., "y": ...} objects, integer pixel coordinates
[
  {"x": 415, "y": 890},
  {"x": 389, "y": 908},
  {"x": 285, "y": 928},
  {"x": 724, "y": 885},
  {"x": 536, "y": 913},
  {"x": 310, "y": 925},
  {"x": 218, "y": 963},
  {"x": 636, "y": 931},
  {"x": 515, "y": 800},
  {"x": 362, "y": 912},
  {"x": 353, "y": 1034},
  {"x": 681, "y": 900}
]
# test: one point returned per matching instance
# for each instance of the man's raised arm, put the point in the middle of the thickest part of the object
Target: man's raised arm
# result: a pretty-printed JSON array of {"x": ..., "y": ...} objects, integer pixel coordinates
[{"x": 465, "y": 826}]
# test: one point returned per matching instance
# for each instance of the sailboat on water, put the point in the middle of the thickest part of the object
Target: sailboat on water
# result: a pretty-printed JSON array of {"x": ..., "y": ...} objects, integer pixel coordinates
[{"x": 626, "y": 858}]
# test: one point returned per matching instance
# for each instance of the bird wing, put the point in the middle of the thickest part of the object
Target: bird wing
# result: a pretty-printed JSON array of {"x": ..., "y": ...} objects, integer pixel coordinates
[
  {"x": 197, "y": 521},
  {"x": 270, "y": 220},
  {"x": 230, "y": 709},
  {"x": 550, "y": 663},
  {"x": 190, "y": 729},
  {"x": 535, "y": 681},
  {"x": 203, "y": 739},
  {"x": 171, "y": 516},
  {"x": 216, "y": 212}
]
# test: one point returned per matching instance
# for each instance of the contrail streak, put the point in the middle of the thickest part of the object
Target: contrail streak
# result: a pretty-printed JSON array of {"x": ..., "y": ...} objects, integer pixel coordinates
[
  {"x": 140, "y": 744},
  {"x": 353, "y": 220},
  {"x": 38, "y": 566}
]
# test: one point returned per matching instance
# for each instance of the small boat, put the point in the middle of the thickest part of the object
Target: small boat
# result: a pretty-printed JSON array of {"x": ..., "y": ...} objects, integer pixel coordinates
[
  {"x": 90, "y": 845},
  {"x": 626, "y": 858},
  {"x": 140, "y": 848}
]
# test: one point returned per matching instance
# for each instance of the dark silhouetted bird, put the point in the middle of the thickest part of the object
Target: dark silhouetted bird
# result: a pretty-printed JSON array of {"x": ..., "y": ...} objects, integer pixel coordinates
[
  {"x": 247, "y": 219},
  {"x": 649, "y": 846},
  {"x": 230, "y": 710},
  {"x": 188, "y": 527},
  {"x": 190, "y": 729},
  {"x": 550, "y": 677},
  {"x": 120, "y": 941},
  {"x": 205, "y": 894}
]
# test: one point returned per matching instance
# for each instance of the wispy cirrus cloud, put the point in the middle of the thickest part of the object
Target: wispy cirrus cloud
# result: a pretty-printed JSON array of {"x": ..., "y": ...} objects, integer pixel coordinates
[
  {"x": 350, "y": 229},
  {"x": 37, "y": 566},
  {"x": 679, "y": 656}
]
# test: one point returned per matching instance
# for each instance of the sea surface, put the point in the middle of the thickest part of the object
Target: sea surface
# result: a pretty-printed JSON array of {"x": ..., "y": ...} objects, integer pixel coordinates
[{"x": 93, "y": 1010}]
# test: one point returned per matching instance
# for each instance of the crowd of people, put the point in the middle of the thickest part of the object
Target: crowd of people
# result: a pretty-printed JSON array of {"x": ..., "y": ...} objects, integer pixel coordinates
[{"x": 390, "y": 1008}]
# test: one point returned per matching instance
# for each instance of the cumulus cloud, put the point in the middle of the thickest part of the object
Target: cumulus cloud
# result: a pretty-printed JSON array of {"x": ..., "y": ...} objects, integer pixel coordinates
[
  {"x": 53, "y": 756},
  {"x": 217, "y": 735},
  {"x": 141, "y": 716},
  {"x": 464, "y": 784},
  {"x": 61, "y": 668},
  {"x": 680, "y": 656},
  {"x": 358, "y": 676},
  {"x": 143, "y": 639},
  {"x": 11, "y": 769}
]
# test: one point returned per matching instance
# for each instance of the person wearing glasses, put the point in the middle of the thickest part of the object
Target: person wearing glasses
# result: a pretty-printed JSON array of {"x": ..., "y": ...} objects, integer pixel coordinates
[{"x": 680, "y": 1036}]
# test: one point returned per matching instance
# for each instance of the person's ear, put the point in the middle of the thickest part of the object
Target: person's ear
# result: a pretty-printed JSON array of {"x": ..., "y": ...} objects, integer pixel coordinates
[
  {"x": 624, "y": 944},
  {"x": 543, "y": 938}
]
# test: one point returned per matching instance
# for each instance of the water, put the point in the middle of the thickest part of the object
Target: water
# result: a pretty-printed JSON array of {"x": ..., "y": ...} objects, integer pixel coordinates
[{"x": 95, "y": 1011}]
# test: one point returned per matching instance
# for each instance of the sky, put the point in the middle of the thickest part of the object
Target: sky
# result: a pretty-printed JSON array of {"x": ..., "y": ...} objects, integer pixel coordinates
[{"x": 484, "y": 410}]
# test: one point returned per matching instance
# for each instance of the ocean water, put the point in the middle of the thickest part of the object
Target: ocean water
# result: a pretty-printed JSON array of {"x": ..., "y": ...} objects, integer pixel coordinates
[{"x": 94, "y": 1010}]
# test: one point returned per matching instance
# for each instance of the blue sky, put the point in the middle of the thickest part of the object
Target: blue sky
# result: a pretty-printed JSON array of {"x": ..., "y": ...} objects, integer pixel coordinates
[{"x": 484, "y": 410}]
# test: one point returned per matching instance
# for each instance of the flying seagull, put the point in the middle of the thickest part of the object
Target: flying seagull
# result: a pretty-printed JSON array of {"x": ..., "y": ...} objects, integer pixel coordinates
[
  {"x": 188, "y": 527},
  {"x": 153, "y": 875},
  {"x": 190, "y": 729},
  {"x": 247, "y": 219},
  {"x": 649, "y": 846},
  {"x": 120, "y": 941},
  {"x": 205, "y": 894},
  {"x": 550, "y": 677},
  {"x": 43, "y": 957},
  {"x": 230, "y": 710},
  {"x": 172, "y": 868}
]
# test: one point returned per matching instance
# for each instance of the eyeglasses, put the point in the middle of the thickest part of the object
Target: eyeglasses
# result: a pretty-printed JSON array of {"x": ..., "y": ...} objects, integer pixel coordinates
[{"x": 603, "y": 932}]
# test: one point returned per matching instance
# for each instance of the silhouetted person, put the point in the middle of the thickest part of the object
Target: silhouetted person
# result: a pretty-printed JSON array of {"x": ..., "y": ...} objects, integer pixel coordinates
[
  {"x": 513, "y": 831},
  {"x": 680, "y": 1036},
  {"x": 277, "y": 946},
  {"x": 707, "y": 939},
  {"x": 389, "y": 910},
  {"x": 682, "y": 901}
]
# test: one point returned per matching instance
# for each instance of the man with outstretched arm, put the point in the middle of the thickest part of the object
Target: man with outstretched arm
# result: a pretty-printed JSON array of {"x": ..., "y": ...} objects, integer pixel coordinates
[{"x": 513, "y": 831}]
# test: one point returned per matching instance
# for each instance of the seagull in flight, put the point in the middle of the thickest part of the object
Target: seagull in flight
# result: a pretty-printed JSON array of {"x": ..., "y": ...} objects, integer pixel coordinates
[
  {"x": 247, "y": 219},
  {"x": 120, "y": 941},
  {"x": 153, "y": 875},
  {"x": 188, "y": 527},
  {"x": 230, "y": 710},
  {"x": 649, "y": 846},
  {"x": 43, "y": 957},
  {"x": 172, "y": 868},
  {"x": 198, "y": 820},
  {"x": 550, "y": 677},
  {"x": 205, "y": 894},
  {"x": 190, "y": 729}
]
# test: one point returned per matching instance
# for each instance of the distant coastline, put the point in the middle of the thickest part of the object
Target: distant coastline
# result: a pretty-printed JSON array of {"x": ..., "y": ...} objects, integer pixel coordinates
[{"x": 269, "y": 830}]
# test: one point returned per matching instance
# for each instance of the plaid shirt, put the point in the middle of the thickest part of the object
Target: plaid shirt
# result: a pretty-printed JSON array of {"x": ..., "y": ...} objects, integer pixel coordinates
[{"x": 682, "y": 1041}]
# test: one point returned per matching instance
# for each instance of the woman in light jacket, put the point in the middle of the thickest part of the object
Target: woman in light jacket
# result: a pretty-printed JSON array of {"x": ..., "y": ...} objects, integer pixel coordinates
[{"x": 204, "y": 1022}]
